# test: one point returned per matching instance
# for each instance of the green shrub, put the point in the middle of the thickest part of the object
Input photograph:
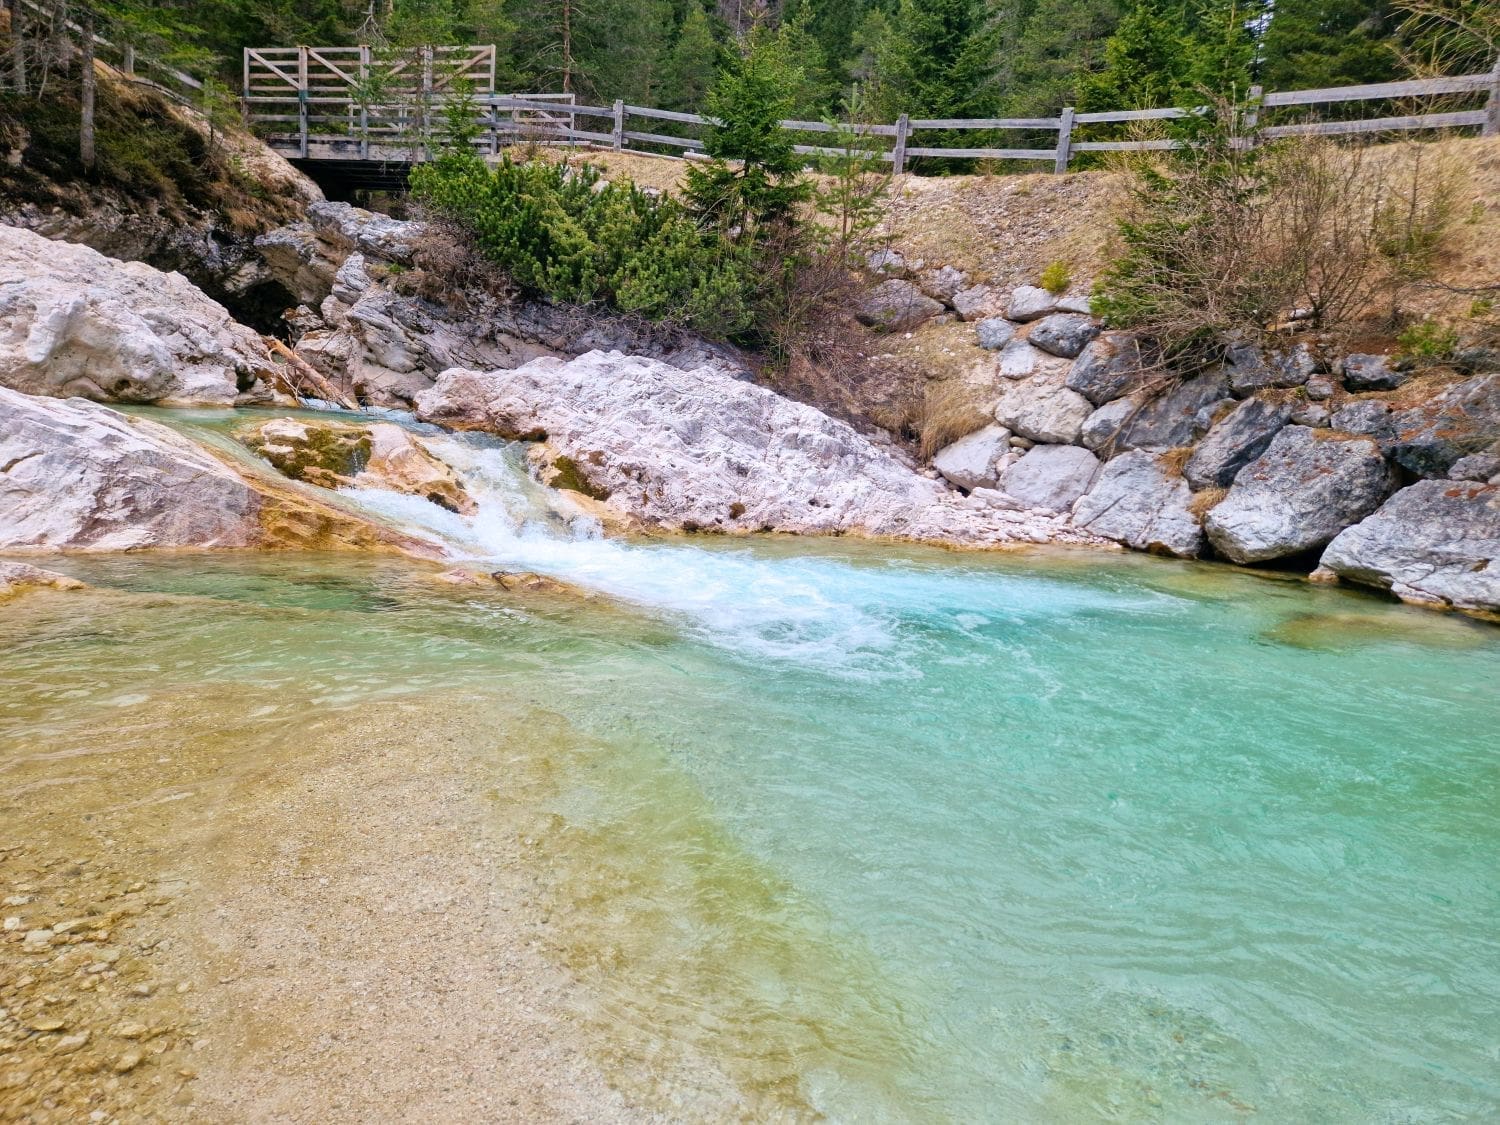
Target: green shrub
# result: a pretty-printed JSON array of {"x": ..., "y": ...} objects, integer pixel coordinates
[
  {"x": 559, "y": 231},
  {"x": 1429, "y": 340},
  {"x": 1056, "y": 278}
]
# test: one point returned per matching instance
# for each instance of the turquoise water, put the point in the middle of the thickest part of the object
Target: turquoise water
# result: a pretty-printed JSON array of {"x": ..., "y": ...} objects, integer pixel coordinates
[{"x": 910, "y": 835}]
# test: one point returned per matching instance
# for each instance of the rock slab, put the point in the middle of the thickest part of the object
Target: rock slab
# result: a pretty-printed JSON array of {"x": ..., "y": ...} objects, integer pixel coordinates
[
  {"x": 1140, "y": 503},
  {"x": 1301, "y": 492},
  {"x": 1433, "y": 543}
]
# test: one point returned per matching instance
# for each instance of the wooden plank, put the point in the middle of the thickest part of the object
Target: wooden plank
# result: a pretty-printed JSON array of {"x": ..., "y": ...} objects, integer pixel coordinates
[
  {"x": 1492, "y": 109},
  {"x": 659, "y": 139},
  {"x": 667, "y": 115},
  {"x": 1379, "y": 124},
  {"x": 986, "y": 123},
  {"x": 551, "y": 107},
  {"x": 617, "y": 135},
  {"x": 313, "y": 54},
  {"x": 825, "y": 127},
  {"x": 987, "y": 153},
  {"x": 1419, "y": 87},
  {"x": 1124, "y": 146},
  {"x": 302, "y": 97},
  {"x": 1129, "y": 115}
]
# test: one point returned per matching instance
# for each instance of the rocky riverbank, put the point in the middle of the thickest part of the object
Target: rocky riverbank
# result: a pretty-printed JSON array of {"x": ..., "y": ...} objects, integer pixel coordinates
[{"x": 1355, "y": 467}]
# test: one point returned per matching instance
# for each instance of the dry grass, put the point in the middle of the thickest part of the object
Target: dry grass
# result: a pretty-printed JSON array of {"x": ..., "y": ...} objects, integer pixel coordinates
[
  {"x": 951, "y": 409},
  {"x": 1204, "y": 502},
  {"x": 1173, "y": 461}
]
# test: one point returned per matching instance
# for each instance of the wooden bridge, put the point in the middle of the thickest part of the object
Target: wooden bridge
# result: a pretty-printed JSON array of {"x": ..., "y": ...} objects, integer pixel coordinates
[{"x": 364, "y": 115}]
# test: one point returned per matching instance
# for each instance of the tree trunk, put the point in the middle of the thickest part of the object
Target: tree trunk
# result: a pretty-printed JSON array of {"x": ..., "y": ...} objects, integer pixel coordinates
[
  {"x": 17, "y": 48},
  {"x": 567, "y": 46},
  {"x": 86, "y": 125}
]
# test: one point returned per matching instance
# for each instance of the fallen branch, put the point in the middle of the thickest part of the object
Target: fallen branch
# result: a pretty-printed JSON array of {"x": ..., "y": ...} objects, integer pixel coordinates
[{"x": 309, "y": 377}]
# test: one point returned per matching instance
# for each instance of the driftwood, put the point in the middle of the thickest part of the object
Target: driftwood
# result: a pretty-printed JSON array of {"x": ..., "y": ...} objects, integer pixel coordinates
[{"x": 309, "y": 384}]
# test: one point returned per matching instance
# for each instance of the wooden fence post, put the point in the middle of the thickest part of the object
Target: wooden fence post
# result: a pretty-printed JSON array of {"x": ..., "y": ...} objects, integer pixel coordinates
[
  {"x": 619, "y": 130},
  {"x": 128, "y": 65},
  {"x": 245, "y": 92},
  {"x": 426, "y": 106},
  {"x": 364, "y": 101},
  {"x": 302, "y": 102},
  {"x": 1250, "y": 119},
  {"x": 1064, "y": 141},
  {"x": 903, "y": 130},
  {"x": 1492, "y": 109},
  {"x": 494, "y": 124}
]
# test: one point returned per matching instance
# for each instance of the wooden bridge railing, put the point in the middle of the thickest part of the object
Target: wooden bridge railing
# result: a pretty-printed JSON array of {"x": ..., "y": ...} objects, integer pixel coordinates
[{"x": 349, "y": 104}]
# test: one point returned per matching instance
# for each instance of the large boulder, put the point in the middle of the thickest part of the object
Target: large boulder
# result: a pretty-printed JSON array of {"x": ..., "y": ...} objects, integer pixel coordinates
[
  {"x": 975, "y": 302},
  {"x": 1063, "y": 334},
  {"x": 1107, "y": 368},
  {"x": 1234, "y": 441},
  {"x": 1029, "y": 302},
  {"x": 1051, "y": 477},
  {"x": 339, "y": 454},
  {"x": 1464, "y": 418},
  {"x": 1166, "y": 419},
  {"x": 1434, "y": 543},
  {"x": 896, "y": 306},
  {"x": 1251, "y": 368},
  {"x": 1302, "y": 491},
  {"x": 1140, "y": 502},
  {"x": 974, "y": 461},
  {"x": 78, "y": 476},
  {"x": 1363, "y": 372},
  {"x": 943, "y": 284},
  {"x": 994, "y": 332},
  {"x": 73, "y": 322},
  {"x": 1018, "y": 360},
  {"x": 698, "y": 450},
  {"x": 1042, "y": 409}
]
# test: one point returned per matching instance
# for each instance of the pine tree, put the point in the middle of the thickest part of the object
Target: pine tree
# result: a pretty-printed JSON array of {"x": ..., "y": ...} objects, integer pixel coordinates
[
  {"x": 692, "y": 64},
  {"x": 939, "y": 60},
  {"x": 1145, "y": 61},
  {"x": 1312, "y": 43},
  {"x": 814, "y": 88},
  {"x": 754, "y": 181},
  {"x": 1048, "y": 49}
]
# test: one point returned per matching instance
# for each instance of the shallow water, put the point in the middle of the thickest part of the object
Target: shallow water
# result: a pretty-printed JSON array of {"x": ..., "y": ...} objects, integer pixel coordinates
[{"x": 898, "y": 834}]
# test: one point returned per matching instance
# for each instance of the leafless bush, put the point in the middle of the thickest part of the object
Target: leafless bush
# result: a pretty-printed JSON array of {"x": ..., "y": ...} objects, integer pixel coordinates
[{"x": 1227, "y": 239}]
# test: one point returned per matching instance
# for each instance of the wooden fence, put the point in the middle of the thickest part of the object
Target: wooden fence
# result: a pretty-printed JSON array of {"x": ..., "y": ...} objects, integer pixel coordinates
[{"x": 337, "y": 117}]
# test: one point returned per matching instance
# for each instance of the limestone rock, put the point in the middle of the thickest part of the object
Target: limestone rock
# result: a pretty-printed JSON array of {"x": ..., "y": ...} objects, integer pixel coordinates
[
  {"x": 1164, "y": 421},
  {"x": 1372, "y": 373},
  {"x": 973, "y": 461},
  {"x": 1063, "y": 334},
  {"x": 80, "y": 476},
  {"x": 351, "y": 280},
  {"x": 1301, "y": 492},
  {"x": 1367, "y": 417},
  {"x": 896, "y": 306},
  {"x": 351, "y": 229},
  {"x": 334, "y": 454},
  {"x": 1137, "y": 501},
  {"x": 1484, "y": 466},
  {"x": 994, "y": 332},
  {"x": 1236, "y": 440},
  {"x": 1252, "y": 369},
  {"x": 1051, "y": 477},
  {"x": 891, "y": 263},
  {"x": 1313, "y": 414},
  {"x": 16, "y": 578},
  {"x": 700, "y": 451},
  {"x": 1464, "y": 418},
  {"x": 1079, "y": 303},
  {"x": 943, "y": 284},
  {"x": 1018, "y": 360},
  {"x": 73, "y": 322},
  {"x": 1108, "y": 367},
  {"x": 1434, "y": 543},
  {"x": 1042, "y": 409},
  {"x": 1028, "y": 303},
  {"x": 1320, "y": 388},
  {"x": 975, "y": 302}
]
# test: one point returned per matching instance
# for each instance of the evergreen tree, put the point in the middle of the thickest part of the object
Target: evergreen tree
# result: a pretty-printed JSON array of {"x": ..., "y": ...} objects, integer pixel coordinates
[
  {"x": 1048, "y": 49},
  {"x": 813, "y": 87},
  {"x": 1145, "y": 60},
  {"x": 938, "y": 60},
  {"x": 1312, "y": 43},
  {"x": 692, "y": 63},
  {"x": 754, "y": 180}
]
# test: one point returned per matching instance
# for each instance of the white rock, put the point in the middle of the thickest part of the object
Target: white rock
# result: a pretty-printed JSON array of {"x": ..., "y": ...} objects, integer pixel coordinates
[
  {"x": 1042, "y": 409},
  {"x": 973, "y": 461},
  {"x": 698, "y": 450},
  {"x": 1079, "y": 303},
  {"x": 1137, "y": 501},
  {"x": 1051, "y": 477},
  {"x": 73, "y": 322},
  {"x": 1029, "y": 302},
  {"x": 975, "y": 302}
]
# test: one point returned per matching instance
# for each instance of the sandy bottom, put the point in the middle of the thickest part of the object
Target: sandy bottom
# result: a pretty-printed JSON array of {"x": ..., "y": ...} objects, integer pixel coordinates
[{"x": 335, "y": 931}]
